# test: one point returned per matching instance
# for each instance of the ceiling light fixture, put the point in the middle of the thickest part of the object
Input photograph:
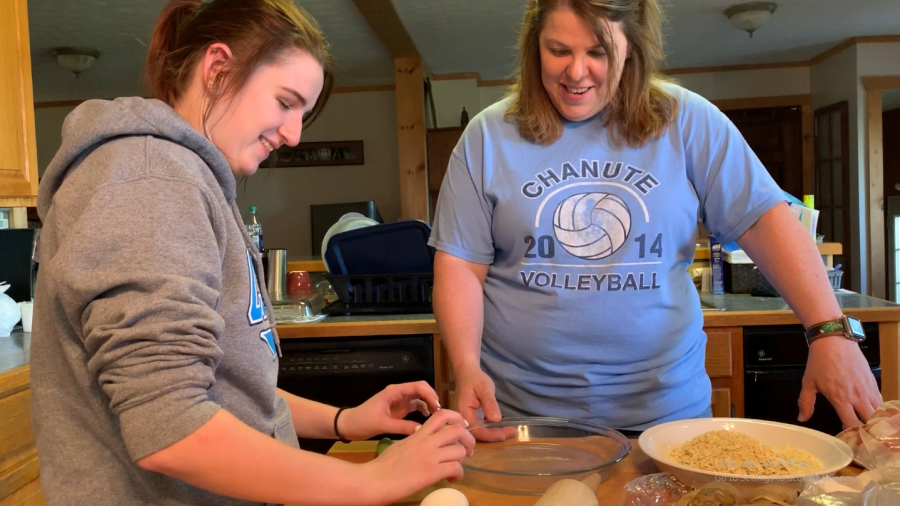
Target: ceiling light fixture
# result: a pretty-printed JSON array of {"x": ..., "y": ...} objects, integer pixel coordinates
[
  {"x": 75, "y": 59},
  {"x": 750, "y": 16}
]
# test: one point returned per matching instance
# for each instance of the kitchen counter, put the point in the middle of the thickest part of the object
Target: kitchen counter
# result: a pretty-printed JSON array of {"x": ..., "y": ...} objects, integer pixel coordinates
[
  {"x": 728, "y": 310},
  {"x": 14, "y": 350},
  {"x": 701, "y": 254},
  {"x": 611, "y": 492},
  {"x": 19, "y": 467},
  {"x": 724, "y": 317}
]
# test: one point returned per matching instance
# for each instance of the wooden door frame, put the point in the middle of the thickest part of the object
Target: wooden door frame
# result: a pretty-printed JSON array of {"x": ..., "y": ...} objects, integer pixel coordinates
[
  {"x": 874, "y": 85},
  {"x": 801, "y": 101}
]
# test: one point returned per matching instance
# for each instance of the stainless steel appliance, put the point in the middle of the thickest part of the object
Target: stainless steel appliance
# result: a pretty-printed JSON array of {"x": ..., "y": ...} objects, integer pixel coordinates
[
  {"x": 774, "y": 363},
  {"x": 17, "y": 261},
  {"x": 347, "y": 371}
]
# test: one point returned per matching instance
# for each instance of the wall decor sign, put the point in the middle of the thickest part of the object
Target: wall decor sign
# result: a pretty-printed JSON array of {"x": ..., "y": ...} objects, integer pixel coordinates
[{"x": 316, "y": 154}]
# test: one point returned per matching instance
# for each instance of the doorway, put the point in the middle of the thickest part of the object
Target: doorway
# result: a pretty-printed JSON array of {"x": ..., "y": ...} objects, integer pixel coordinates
[
  {"x": 890, "y": 129},
  {"x": 775, "y": 134},
  {"x": 832, "y": 176},
  {"x": 874, "y": 176}
]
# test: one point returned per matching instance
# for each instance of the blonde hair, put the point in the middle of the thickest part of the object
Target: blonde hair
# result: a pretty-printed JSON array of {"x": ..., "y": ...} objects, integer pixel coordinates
[
  {"x": 639, "y": 110},
  {"x": 258, "y": 32}
]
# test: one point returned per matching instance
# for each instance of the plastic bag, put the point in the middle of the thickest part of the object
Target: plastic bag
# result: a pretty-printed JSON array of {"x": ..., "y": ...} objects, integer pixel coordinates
[
  {"x": 658, "y": 489},
  {"x": 873, "y": 493},
  {"x": 876, "y": 446}
]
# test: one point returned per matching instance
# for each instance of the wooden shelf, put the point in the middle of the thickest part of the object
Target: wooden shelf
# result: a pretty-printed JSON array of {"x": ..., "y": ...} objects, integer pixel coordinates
[
  {"x": 313, "y": 264},
  {"x": 310, "y": 264},
  {"x": 826, "y": 248}
]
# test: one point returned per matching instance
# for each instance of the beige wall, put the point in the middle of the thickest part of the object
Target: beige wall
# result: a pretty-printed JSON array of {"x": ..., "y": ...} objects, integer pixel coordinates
[
  {"x": 283, "y": 196},
  {"x": 452, "y": 95},
  {"x": 747, "y": 83},
  {"x": 48, "y": 131}
]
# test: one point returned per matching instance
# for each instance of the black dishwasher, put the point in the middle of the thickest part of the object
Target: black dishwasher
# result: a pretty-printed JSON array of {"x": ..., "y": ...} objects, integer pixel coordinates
[
  {"x": 347, "y": 371},
  {"x": 774, "y": 363}
]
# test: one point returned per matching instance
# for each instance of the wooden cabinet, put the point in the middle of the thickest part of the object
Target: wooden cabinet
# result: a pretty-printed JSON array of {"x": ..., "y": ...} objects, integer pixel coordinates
[
  {"x": 29, "y": 495},
  {"x": 18, "y": 153},
  {"x": 19, "y": 472},
  {"x": 441, "y": 142},
  {"x": 725, "y": 367}
]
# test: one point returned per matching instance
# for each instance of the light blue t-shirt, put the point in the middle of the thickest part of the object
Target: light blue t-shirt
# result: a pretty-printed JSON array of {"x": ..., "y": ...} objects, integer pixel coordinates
[{"x": 589, "y": 311}]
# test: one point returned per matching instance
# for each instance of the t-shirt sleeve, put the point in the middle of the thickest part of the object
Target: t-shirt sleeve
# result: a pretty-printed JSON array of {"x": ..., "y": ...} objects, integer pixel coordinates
[
  {"x": 733, "y": 186},
  {"x": 462, "y": 222}
]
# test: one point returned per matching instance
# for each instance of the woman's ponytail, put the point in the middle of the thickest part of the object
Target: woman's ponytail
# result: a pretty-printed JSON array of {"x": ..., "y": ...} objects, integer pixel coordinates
[
  {"x": 255, "y": 31},
  {"x": 163, "y": 73}
]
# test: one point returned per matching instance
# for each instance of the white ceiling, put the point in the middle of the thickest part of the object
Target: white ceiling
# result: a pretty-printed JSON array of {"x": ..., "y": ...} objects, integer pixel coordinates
[
  {"x": 452, "y": 35},
  {"x": 121, "y": 29}
]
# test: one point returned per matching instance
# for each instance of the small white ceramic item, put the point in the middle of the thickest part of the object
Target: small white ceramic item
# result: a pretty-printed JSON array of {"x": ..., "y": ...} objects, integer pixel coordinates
[{"x": 10, "y": 314}]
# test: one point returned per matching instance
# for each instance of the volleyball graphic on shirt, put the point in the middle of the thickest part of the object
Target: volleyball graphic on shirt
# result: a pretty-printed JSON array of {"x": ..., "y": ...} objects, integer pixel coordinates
[{"x": 592, "y": 225}]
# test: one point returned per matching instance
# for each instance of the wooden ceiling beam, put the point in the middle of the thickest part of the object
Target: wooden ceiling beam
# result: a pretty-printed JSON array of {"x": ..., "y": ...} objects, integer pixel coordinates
[
  {"x": 384, "y": 20},
  {"x": 410, "y": 74}
]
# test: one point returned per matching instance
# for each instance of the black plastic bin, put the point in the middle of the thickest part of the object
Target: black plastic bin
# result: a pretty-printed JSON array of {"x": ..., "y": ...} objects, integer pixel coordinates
[{"x": 381, "y": 293}]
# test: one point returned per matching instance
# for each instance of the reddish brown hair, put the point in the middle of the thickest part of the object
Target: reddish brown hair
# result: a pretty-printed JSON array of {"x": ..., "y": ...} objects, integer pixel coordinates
[
  {"x": 639, "y": 110},
  {"x": 258, "y": 32}
]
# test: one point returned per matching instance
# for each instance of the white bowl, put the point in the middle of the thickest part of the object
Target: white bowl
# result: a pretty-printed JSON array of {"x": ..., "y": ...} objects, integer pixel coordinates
[{"x": 658, "y": 441}]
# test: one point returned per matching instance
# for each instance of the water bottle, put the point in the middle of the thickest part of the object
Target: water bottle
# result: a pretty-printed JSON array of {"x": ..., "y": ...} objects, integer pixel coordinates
[{"x": 254, "y": 229}]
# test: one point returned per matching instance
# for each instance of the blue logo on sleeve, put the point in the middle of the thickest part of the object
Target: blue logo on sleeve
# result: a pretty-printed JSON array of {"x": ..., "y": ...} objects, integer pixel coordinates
[
  {"x": 269, "y": 338},
  {"x": 256, "y": 313}
]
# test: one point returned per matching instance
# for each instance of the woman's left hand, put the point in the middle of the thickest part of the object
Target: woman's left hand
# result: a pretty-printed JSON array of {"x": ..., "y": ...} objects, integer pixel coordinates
[
  {"x": 383, "y": 413},
  {"x": 837, "y": 369}
]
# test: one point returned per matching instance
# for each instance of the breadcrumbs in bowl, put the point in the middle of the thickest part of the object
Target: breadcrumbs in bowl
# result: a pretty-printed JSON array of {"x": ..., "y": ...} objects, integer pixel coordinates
[
  {"x": 700, "y": 443},
  {"x": 731, "y": 452}
]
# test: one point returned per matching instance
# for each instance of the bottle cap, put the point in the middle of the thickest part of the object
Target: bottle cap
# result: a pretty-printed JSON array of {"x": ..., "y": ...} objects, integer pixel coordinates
[{"x": 252, "y": 209}]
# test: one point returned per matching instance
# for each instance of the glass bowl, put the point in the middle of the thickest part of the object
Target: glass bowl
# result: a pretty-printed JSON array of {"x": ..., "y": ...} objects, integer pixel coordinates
[{"x": 527, "y": 455}]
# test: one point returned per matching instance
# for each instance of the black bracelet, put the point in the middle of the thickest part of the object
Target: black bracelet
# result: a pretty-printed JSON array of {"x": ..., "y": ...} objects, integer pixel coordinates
[{"x": 336, "y": 433}]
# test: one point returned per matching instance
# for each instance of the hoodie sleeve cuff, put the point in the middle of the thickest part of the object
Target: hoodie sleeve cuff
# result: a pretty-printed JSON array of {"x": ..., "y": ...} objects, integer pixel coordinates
[{"x": 155, "y": 425}]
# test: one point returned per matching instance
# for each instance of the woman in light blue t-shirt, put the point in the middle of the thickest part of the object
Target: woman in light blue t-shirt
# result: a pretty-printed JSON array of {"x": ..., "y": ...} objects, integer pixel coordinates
[{"x": 567, "y": 221}]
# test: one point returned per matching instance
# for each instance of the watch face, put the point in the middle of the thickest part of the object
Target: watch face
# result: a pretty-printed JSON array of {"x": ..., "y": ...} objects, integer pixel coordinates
[{"x": 856, "y": 327}]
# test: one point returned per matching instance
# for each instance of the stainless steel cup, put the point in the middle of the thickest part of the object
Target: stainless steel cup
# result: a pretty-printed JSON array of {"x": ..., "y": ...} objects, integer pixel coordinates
[{"x": 277, "y": 275}]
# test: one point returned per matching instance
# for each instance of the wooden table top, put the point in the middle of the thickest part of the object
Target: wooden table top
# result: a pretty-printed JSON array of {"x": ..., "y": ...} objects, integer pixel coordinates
[{"x": 611, "y": 492}]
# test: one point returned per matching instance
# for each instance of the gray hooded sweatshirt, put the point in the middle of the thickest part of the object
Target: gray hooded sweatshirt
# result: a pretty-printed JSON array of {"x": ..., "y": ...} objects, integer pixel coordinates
[{"x": 149, "y": 316}]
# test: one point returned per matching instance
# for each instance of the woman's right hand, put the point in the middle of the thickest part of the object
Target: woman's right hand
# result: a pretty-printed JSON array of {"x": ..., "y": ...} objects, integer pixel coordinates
[
  {"x": 433, "y": 453},
  {"x": 475, "y": 389}
]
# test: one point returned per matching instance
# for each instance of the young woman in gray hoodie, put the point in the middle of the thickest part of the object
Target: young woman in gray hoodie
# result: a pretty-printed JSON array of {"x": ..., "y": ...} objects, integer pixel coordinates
[{"x": 154, "y": 352}]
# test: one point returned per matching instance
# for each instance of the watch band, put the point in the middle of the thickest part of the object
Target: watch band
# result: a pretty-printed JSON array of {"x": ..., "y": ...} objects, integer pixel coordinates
[{"x": 826, "y": 329}]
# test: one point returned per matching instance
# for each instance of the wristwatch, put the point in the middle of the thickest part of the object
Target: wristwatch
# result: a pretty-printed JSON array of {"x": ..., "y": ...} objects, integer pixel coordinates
[{"x": 847, "y": 326}]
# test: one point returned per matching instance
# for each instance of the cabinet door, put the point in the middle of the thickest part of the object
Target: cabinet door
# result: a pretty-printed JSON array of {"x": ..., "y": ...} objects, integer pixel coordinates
[
  {"x": 18, "y": 153},
  {"x": 721, "y": 402},
  {"x": 441, "y": 142},
  {"x": 29, "y": 495},
  {"x": 725, "y": 367}
]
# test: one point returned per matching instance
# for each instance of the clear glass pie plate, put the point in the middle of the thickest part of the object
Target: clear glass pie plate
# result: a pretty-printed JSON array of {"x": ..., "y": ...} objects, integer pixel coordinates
[{"x": 527, "y": 455}]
